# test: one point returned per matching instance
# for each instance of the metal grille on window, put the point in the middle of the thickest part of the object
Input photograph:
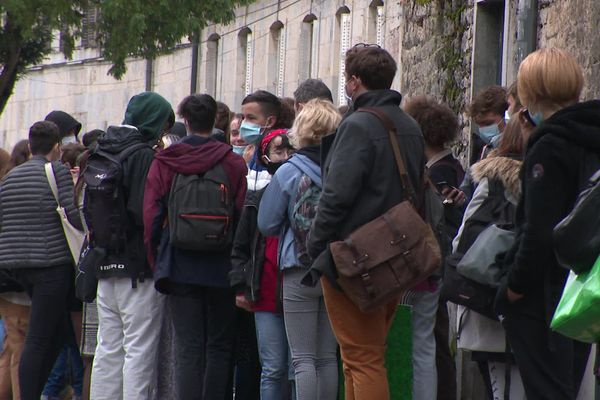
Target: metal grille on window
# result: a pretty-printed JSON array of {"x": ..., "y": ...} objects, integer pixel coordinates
[
  {"x": 314, "y": 50},
  {"x": 345, "y": 25},
  {"x": 248, "y": 78},
  {"x": 280, "y": 61},
  {"x": 380, "y": 23}
]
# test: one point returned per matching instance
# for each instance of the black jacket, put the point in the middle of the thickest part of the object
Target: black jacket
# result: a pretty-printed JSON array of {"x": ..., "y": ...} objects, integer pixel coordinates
[
  {"x": 248, "y": 253},
  {"x": 562, "y": 154},
  {"x": 360, "y": 177},
  {"x": 31, "y": 234},
  {"x": 135, "y": 170}
]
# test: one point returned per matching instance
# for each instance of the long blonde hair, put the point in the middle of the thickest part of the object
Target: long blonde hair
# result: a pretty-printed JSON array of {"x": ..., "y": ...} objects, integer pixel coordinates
[{"x": 317, "y": 118}]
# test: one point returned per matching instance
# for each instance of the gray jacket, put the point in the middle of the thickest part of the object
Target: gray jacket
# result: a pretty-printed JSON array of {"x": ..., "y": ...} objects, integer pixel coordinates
[
  {"x": 31, "y": 234},
  {"x": 360, "y": 177}
]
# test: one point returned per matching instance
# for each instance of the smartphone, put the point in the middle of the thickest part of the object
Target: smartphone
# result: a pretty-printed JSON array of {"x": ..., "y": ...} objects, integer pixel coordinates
[
  {"x": 527, "y": 116},
  {"x": 441, "y": 186}
]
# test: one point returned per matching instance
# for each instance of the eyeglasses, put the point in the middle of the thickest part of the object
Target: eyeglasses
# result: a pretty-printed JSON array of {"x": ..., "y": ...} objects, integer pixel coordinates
[{"x": 365, "y": 45}]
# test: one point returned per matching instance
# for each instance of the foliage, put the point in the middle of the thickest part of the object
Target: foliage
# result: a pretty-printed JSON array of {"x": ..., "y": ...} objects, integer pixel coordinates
[{"x": 125, "y": 28}]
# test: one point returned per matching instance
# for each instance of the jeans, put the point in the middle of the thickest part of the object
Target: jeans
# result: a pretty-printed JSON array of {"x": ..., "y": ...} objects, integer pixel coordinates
[
  {"x": 273, "y": 352},
  {"x": 312, "y": 343},
  {"x": 128, "y": 334},
  {"x": 68, "y": 365},
  {"x": 204, "y": 327},
  {"x": 424, "y": 311},
  {"x": 49, "y": 322}
]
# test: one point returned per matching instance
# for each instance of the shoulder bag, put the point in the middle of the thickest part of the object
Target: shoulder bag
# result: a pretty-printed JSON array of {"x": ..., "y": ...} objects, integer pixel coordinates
[
  {"x": 390, "y": 254},
  {"x": 74, "y": 236}
]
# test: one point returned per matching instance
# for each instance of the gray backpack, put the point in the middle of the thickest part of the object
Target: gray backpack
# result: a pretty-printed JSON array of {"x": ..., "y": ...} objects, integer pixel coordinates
[{"x": 201, "y": 211}]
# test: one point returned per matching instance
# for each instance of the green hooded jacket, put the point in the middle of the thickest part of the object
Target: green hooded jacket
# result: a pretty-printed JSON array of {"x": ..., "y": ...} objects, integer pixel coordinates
[{"x": 149, "y": 113}]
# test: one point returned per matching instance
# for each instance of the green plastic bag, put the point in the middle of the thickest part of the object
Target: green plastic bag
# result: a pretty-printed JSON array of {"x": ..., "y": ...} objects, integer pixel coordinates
[{"x": 578, "y": 312}]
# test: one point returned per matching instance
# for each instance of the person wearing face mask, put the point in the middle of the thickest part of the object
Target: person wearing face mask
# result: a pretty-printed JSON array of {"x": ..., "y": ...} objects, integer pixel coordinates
[
  {"x": 256, "y": 279},
  {"x": 286, "y": 210},
  {"x": 360, "y": 183},
  {"x": 561, "y": 155},
  {"x": 487, "y": 111},
  {"x": 68, "y": 126},
  {"x": 261, "y": 110}
]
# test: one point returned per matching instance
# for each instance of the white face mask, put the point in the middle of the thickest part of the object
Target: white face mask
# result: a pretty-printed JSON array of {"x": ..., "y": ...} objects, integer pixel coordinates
[{"x": 67, "y": 140}]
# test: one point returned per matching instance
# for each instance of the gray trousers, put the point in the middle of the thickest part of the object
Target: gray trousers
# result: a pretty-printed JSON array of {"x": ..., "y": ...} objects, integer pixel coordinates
[{"x": 311, "y": 340}]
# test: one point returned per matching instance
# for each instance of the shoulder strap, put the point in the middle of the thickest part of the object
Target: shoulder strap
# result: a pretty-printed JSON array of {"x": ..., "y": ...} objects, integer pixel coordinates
[
  {"x": 389, "y": 125},
  {"x": 51, "y": 180}
]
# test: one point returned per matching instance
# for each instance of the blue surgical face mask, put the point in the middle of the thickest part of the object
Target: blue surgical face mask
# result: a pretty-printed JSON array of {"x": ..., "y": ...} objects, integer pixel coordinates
[
  {"x": 487, "y": 133},
  {"x": 239, "y": 150},
  {"x": 250, "y": 132},
  {"x": 537, "y": 118}
]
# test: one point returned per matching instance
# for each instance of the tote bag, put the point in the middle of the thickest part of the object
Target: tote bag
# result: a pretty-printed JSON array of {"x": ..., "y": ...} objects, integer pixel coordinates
[{"x": 74, "y": 236}]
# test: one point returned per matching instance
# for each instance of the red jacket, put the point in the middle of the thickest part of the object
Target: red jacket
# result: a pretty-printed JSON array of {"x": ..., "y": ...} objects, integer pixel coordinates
[{"x": 193, "y": 155}]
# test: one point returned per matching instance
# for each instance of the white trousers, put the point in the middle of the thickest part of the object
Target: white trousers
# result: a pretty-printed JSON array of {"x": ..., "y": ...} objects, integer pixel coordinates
[{"x": 129, "y": 329}]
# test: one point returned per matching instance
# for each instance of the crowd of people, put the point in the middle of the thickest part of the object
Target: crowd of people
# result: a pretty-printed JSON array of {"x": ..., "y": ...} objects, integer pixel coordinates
[{"x": 207, "y": 242}]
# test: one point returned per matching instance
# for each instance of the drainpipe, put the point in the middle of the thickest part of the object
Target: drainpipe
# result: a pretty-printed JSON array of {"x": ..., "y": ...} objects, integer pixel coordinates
[
  {"x": 526, "y": 29},
  {"x": 149, "y": 73},
  {"x": 195, "y": 59}
]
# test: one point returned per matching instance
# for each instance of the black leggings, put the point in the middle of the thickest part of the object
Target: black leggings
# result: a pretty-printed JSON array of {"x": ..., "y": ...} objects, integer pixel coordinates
[{"x": 49, "y": 289}]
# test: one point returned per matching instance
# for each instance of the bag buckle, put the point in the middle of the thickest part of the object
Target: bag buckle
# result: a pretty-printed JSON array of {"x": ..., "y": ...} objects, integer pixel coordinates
[
  {"x": 360, "y": 259},
  {"x": 366, "y": 278}
]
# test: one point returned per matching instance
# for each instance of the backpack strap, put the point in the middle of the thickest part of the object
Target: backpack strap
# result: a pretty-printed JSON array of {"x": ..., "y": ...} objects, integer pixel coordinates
[{"x": 389, "y": 125}]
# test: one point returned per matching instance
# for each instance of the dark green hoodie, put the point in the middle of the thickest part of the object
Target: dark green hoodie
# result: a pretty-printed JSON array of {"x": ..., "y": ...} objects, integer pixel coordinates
[{"x": 149, "y": 113}]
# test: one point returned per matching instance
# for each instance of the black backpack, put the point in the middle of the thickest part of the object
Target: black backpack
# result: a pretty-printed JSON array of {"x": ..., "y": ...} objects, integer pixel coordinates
[
  {"x": 201, "y": 211},
  {"x": 459, "y": 289},
  {"x": 105, "y": 204}
]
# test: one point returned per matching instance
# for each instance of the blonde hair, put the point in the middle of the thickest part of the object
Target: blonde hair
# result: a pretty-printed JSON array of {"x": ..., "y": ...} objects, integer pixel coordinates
[
  {"x": 549, "y": 78},
  {"x": 317, "y": 118}
]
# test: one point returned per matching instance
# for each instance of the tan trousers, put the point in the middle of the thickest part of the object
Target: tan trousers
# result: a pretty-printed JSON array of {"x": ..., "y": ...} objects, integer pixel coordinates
[
  {"x": 362, "y": 340},
  {"x": 16, "y": 321}
]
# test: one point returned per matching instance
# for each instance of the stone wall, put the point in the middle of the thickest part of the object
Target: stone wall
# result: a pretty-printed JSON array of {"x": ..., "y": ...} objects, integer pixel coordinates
[
  {"x": 436, "y": 54},
  {"x": 434, "y": 42},
  {"x": 574, "y": 26}
]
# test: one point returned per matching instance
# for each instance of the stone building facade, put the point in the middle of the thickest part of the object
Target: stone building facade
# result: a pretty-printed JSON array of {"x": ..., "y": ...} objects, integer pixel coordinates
[{"x": 446, "y": 48}]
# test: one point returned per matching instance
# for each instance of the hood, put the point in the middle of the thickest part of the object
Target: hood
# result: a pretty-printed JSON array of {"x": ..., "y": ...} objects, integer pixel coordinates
[
  {"x": 313, "y": 153},
  {"x": 377, "y": 98},
  {"x": 118, "y": 137},
  {"x": 65, "y": 122},
  {"x": 505, "y": 169},
  {"x": 312, "y": 170},
  {"x": 149, "y": 112},
  {"x": 188, "y": 159},
  {"x": 579, "y": 124}
]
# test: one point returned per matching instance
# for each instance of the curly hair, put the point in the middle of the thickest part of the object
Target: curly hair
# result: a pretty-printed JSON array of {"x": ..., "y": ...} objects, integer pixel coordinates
[
  {"x": 317, "y": 118},
  {"x": 438, "y": 122},
  {"x": 490, "y": 99}
]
